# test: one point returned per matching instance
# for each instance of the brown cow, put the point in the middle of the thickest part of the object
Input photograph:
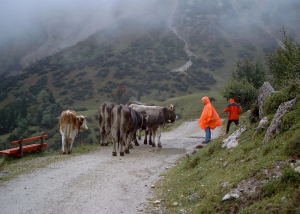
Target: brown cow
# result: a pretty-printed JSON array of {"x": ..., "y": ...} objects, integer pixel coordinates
[
  {"x": 69, "y": 125},
  {"x": 147, "y": 131},
  {"x": 124, "y": 123},
  {"x": 158, "y": 117}
]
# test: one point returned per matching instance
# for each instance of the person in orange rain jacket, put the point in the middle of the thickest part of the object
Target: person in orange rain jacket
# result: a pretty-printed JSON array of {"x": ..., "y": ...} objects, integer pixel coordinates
[
  {"x": 209, "y": 119},
  {"x": 234, "y": 111}
]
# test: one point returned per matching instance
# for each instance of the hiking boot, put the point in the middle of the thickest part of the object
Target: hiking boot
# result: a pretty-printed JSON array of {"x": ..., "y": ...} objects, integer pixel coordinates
[{"x": 205, "y": 142}]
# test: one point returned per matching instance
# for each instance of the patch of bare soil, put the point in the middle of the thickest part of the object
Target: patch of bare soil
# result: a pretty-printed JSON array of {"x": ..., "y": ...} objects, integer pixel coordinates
[{"x": 97, "y": 182}]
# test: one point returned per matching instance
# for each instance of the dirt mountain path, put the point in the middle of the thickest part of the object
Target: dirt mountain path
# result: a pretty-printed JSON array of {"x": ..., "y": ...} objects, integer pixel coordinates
[{"x": 97, "y": 182}]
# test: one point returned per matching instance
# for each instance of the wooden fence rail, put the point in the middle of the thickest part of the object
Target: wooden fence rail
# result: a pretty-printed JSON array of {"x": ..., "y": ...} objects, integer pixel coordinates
[{"x": 18, "y": 151}]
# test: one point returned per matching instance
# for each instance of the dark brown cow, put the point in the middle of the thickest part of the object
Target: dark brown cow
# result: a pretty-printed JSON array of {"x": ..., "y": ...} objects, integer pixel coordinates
[
  {"x": 69, "y": 125},
  {"x": 104, "y": 115},
  {"x": 124, "y": 123},
  {"x": 147, "y": 131},
  {"x": 157, "y": 118}
]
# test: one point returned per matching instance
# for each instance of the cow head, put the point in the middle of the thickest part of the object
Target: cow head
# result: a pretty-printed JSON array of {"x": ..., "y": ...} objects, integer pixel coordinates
[
  {"x": 172, "y": 114},
  {"x": 81, "y": 123}
]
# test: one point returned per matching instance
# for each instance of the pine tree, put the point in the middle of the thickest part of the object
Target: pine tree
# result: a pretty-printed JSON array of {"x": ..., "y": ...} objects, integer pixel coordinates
[
  {"x": 23, "y": 108},
  {"x": 51, "y": 97},
  {"x": 254, "y": 72},
  {"x": 284, "y": 63},
  {"x": 39, "y": 116},
  {"x": 3, "y": 122},
  {"x": 12, "y": 117}
]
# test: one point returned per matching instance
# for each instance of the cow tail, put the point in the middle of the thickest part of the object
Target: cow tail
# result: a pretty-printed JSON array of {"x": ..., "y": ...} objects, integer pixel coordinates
[
  {"x": 118, "y": 139},
  {"x": 99, "y": 115},
  {"x": 118, "y": 136},
  {"x": 119, "y": 122},
  {"x": 107, "y": 112}
]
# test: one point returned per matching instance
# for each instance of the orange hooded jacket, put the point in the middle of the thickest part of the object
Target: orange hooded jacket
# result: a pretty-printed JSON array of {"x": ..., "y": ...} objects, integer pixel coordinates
[
  {"x": 209, "y": 117},
  {"x": 233, "y": 109}
]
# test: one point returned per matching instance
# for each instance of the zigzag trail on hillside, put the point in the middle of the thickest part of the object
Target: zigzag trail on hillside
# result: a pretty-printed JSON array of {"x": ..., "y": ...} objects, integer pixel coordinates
[
  {"x": 186, "y": 45},
  {"x": 97, "y": 182}
]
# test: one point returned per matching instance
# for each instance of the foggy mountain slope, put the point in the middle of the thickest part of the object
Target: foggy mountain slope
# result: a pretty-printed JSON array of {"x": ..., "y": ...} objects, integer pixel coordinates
[
  {"x": 60, "y": 37},
  {"x": 234, "y": 17},
  {"x": 46, "y": 28},
  {"x": 220, "y": 32},
  {"x": 64, "y": 31},
  {"x": 107, "y": 44}
]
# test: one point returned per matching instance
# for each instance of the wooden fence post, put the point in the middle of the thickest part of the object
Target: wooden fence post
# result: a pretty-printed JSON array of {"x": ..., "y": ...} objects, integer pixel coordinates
[
  {"x": 21, "y": 147},
  {"x": 42, "y": 142}
]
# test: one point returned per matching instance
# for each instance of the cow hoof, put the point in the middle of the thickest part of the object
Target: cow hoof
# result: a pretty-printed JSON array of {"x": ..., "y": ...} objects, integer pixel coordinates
[
  {"x": 150, "y": 143},
  {"x": 121, "y": 153},
  {"x": 127, "y": 151},
  {"x": 69, "y": 152},
  {"x": 145, "y": 142},
  {"x": 139, "y": 138},
  {"x": 114, "y": 153},
  {"x": 130, "y": 146},
  {"x": 159, "y": 146},
  {"x": 64, "y": 153},
  {"x": 137, "y": 144},
  {"x": 106, "y": 144},
  {"x": 153, "y": 145},
  {"x": 102, "y": 144}
]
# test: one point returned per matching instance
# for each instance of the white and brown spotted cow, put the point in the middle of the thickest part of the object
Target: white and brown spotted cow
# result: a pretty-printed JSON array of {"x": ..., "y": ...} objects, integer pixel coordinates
[{"x": 69, "y": 125}]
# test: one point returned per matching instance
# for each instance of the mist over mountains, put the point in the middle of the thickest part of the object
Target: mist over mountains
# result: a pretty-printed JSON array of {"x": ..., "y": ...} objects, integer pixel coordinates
[
  {"x": 118, "y": 41},
  {"x": 34, "y": 29},
  {"x": 43, "y": 28}
]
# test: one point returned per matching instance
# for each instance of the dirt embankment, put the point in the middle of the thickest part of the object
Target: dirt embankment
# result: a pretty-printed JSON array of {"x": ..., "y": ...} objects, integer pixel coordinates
[{"x": 97, "y": 182}]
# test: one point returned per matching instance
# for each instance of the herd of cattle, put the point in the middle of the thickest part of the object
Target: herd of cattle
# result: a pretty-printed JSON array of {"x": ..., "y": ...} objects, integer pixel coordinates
[{"x": 121, "y": 122}]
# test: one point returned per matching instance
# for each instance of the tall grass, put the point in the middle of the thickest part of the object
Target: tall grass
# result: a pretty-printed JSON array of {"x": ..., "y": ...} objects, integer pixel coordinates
[{"x": 263, "y": 175}]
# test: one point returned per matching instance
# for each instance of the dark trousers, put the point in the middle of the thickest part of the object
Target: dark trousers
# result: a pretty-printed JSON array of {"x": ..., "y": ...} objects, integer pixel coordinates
[{"x": 229, "y": 123}]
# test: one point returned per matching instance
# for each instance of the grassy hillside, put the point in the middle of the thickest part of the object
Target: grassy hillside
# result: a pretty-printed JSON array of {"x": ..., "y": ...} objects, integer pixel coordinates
[{"x": 264, "y": 175}]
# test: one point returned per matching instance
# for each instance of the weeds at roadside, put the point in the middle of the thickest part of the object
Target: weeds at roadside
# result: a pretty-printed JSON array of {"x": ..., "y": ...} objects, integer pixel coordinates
[{"x": 213, "y": 172}]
